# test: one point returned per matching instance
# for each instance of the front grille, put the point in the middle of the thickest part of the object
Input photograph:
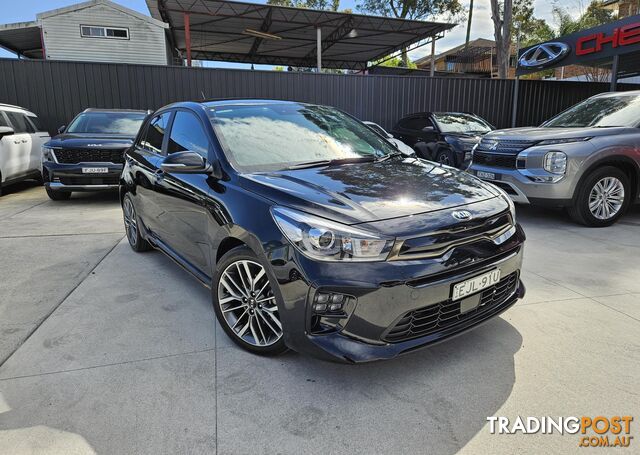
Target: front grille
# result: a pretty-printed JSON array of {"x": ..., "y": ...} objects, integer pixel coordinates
[
  {"x": 503, "y": 146},
  {"x": 106, "y": 180},
  {"x": 436, "y": 244},
  {"x": 494, "y": 159},
  {"x": 74, "y": 156},
  {"x": 445, "y": 315}
]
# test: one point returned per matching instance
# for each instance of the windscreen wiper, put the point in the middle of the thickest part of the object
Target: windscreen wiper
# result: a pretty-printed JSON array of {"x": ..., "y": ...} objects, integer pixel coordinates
[
  {"x": 334, "y": 162},
  {"x": 389, "y": 155}
]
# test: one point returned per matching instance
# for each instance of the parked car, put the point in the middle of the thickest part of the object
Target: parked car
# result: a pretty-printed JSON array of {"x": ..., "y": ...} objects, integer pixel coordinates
[
  {"x": 314, "y": 233},
  {"x": 21, "y": 139},
  {"x": 401, "y": 146},
  {"x": 445, "y": 137},
  {"x": 88, "y": 154},
  {"x": 586, "y": 159}
]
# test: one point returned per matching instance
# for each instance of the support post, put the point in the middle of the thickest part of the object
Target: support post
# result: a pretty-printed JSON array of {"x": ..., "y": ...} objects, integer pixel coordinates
[
  {"x": 187, "y": 37},
  {"x": 514, "y": 112},
  {"x": 432, "y": 70},
  {"x": 614, "y": 73},
  {"x": 44, "y": 49},
  {"x": 319, "y": 49}
]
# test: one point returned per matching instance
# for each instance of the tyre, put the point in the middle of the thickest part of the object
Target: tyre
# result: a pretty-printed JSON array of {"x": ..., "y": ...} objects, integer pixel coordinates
[
  {"x": 58, "y": 195},
  {"x": 602, "y": 197},
  {"x": 131, "y": 226},
  {"x": 245, "y": 303},
  {"x": 446, "y": 157}
]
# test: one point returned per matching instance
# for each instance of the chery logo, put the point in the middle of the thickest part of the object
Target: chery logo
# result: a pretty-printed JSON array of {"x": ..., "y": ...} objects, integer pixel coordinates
[
  {"x": 543, "y": 55},
  {"x": 621, "y": 36}
]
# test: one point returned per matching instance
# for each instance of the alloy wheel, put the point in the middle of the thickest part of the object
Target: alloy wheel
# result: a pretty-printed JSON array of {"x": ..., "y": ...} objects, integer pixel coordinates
[
  {"x": 248, "y": 305},
  {"x": 443, "y": 158},
  {"x": 130, "y": 221},
  {"x": 606, "y": 198}
]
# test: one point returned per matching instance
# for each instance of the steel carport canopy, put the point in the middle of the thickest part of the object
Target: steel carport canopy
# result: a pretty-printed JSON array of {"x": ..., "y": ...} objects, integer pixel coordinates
[{"x": 216, "y": 33}]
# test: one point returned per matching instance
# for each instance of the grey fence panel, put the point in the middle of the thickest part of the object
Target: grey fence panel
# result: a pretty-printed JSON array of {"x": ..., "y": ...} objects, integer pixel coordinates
[{"x": 57, "y": 91}]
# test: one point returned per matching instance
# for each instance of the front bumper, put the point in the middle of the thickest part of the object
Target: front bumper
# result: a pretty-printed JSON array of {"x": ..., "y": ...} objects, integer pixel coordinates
[
  {"x": 519, "y": 184},
  {"x": 375, "y": 307},
  {"x": 70, "y": 177}
]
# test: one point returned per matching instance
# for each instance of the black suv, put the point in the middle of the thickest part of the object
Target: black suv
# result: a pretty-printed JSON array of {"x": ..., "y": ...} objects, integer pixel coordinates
[
  {"x": 88, "y": 154},
  {"x": 445, "y": 137},
  {"x": 314, "y": 233}
]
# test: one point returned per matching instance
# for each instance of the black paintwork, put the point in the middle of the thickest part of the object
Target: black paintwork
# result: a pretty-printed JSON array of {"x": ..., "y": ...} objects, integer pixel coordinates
[
  {"x": 196, "y": 218},
  {"x": 428, "y": 142}
]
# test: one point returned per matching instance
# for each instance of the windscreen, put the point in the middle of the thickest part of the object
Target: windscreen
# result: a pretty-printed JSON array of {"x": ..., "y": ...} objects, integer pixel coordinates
[
  {"x": 451, "y": 122},
  {"x": 275, "y": 136},
  {"x": 122, "y": 123},
  {"x": 620, "y": 110}
]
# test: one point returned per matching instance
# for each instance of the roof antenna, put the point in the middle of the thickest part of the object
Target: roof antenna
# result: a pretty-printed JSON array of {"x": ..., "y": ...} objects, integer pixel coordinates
[{"x": 203, "y": 97}]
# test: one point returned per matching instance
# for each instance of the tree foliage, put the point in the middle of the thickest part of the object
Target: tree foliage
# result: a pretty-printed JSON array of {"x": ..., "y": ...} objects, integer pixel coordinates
[
  {"x": 413, "y": 9},
  {"x": 329, "y": 5}
]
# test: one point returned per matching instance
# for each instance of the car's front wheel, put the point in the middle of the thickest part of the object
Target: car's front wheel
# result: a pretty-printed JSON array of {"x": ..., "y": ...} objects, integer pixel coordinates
[
  {"x": 245, "y": 303},
  {"x": 446, "y": 157},
  {"x": 602, "y": 198},
  {"x": 132, "y": 225}
]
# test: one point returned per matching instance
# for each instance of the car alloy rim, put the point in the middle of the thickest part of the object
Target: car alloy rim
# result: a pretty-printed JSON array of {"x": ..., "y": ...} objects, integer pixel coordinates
[
  {"x": 130, "y": 222},
  {"x": 443, "y": 158},
  {"x": 606, "y": 198},
  {"x": 248, "y": 305}
]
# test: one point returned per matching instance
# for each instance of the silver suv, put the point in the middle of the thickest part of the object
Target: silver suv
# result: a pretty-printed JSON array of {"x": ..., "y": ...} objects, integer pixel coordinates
[{"x": 586, "y": 159}]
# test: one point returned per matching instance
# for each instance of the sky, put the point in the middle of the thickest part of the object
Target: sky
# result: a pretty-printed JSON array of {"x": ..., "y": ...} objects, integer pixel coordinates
[{"x": 482, "y": 27}]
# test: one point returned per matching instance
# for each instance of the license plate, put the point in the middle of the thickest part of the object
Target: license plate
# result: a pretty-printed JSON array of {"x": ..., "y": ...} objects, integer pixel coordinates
[
  {"x": 487, "y": 175},
  {"x": 95, "y": 170},
  {"x": 476, "y": 284}
]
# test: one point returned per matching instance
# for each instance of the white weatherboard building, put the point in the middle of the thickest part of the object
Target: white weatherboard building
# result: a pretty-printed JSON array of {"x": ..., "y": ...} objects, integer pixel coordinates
[{"x": 93, "y": 31}]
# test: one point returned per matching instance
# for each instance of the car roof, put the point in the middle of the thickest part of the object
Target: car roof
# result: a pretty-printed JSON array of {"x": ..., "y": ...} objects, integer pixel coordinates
[
  {"x": 616, "y": 94},
  {"x": 11, "y": 107},
  {"x": 136, "y": 111}
]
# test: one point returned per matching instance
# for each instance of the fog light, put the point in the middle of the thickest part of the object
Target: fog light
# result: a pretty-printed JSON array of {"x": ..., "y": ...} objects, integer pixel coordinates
[{"x": 328, "y": 303}]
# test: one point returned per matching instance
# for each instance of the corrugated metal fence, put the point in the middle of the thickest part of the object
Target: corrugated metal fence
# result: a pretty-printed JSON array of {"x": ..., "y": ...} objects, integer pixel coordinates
[{"x": 56, "y": 91}]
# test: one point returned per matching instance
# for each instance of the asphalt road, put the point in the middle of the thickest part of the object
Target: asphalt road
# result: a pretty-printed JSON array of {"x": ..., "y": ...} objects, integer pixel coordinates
[{"x": 106, "y": 351}]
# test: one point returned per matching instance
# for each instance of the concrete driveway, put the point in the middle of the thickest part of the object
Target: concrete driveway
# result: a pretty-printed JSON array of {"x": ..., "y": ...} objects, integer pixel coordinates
[{"x": 107, "y": 351}]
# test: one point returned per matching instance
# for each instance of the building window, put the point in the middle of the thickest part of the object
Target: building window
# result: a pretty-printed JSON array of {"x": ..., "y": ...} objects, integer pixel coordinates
[{"x": 94, "y": 31}]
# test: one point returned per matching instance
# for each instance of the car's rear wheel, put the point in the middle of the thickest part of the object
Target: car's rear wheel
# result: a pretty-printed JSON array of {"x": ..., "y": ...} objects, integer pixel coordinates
[
  {"x": 131, "y": 226},
  {"x": 245, "y": 303},
  {"x": 602, "y": 198},
  {"x": 58, "y": 195}
]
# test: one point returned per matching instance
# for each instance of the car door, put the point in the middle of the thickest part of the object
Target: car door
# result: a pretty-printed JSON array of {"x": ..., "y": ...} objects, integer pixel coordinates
[
  {"x": 18, "y": 146},
  {"x": 182, "y": 197},
  {"x": 144, "y": 161},
  {"x": 39, "y": 136}
]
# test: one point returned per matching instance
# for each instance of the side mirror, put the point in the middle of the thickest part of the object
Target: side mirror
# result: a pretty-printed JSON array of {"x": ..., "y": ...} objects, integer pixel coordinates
[
  {"x": 61, "y": 129},
  {"x": 186, "y": 163},
  {"x": 6, "y": 131}
]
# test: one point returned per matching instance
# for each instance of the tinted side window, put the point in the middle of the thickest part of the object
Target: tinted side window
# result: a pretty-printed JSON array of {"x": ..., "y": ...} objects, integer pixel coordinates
[
  {"x": 35, "y": 121},
  {"x": 20, "y": 123},
  {"x": 3, "y": 120},
  {"x": 155, "y": 133},
  {"x": 187, "y": 134},
  {"x": 416, "y": 123}
]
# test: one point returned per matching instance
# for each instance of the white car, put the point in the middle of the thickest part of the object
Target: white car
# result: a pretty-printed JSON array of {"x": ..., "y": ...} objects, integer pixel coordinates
[
  {"x": 21, "y": 140},
  {"x": 401, "y": 146}
]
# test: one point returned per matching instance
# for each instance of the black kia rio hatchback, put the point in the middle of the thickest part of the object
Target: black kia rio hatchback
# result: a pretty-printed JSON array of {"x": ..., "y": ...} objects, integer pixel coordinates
[{"x": 314, "y": 233}]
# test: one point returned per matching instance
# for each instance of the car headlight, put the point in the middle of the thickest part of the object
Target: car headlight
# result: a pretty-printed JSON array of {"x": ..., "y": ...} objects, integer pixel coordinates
[
  {"x": 509, "y": 201},
  {"x": 555, "y": 162},
  {"x": 326, "y": 240},
  {"x": 47, "y": 154},
  {"x": 563, "y": 141}
]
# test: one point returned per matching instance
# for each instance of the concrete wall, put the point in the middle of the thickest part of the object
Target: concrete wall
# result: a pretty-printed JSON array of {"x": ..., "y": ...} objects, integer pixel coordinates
[{"x": 63, "y": 41}]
